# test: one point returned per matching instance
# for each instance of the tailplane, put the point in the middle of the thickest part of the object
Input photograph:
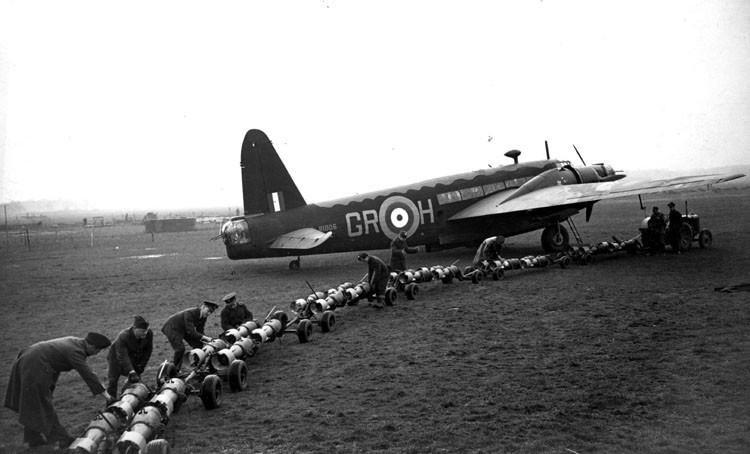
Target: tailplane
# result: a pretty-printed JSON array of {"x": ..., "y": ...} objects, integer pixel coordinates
[{"x": 267, "y": 186}]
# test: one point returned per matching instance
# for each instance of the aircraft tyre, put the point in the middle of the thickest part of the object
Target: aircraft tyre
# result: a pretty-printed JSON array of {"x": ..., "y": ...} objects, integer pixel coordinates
[
  {"x": 390, "y": 296},
  {"x": 304, "y": 331},
  {"x": 705, "y": 239},
  {"x": 411, "y": 291},
  {"x": 211, "y": 390},
  {"x": 328, "y": 321},
  {"x": 158, "y": 446},
  {"x": 237, "y": 375},
  {"x": 555, "y": 238},
  {"x": 294, "y": 265}
]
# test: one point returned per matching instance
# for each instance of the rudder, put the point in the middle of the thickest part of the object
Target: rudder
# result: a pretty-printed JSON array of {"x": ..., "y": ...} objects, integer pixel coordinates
[{"x": 266, "y": 184}]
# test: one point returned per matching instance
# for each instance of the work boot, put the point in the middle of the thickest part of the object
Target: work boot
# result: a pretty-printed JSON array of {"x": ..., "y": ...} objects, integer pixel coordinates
[{"x": 33, "y": 438}]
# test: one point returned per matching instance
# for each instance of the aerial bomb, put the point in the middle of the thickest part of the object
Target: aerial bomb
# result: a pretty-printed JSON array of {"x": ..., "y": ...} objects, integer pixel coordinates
[
  {"x": 110, "y": 420},
  {"x": 198, "y": 356},
  {"x": 243, "y": 348}
]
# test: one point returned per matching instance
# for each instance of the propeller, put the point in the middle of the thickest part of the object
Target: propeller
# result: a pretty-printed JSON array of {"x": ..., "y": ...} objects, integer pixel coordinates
[{"x": 579, "y": 155}]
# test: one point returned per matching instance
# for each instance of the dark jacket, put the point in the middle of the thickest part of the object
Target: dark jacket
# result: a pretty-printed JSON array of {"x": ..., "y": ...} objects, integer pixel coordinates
[
  {"x": 232, "y": 317},
  {"x": 399, "y": 249},
  {"x": 675, "y": 220},
  {"x": 130, "y": 353},
  {"x": 187, "y": 325},
  {"x": 34, "y": 375}
]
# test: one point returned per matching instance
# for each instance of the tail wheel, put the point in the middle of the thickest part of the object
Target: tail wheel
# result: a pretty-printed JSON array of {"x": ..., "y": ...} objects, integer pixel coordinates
[
  {"x": 390, "y": 296},
  {"x": 328, "y": 321},
  {"x": 555, "y": 238},
  {"x": 211, "y": 390},
  {"x": 237, "y": 375},
  {"x": 705, "y": 239},
  {"x": 411, "y": 291},
  {"x": 304, "y": 331}
]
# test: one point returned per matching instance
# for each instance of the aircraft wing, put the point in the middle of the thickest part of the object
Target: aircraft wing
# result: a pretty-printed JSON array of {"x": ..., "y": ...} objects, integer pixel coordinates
[
  {"x": 300, "y": 239},
  {"x": 583, "y": 193}
]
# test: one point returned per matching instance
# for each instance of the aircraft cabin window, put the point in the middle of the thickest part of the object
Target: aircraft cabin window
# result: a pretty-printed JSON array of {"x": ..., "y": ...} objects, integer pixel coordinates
[
  {"x": 494, "y": 187},
  {"x": 449, "y": 197},
  {"x": 471, "y": 193}
]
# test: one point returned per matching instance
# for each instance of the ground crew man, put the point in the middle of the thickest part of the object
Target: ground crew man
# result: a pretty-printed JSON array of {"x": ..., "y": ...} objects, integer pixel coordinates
[
  {"x": 399, "y": 249},
  {"x": 188, "y": 326},
  {"x": 657, "y": 226},
  {"x": 675, "y": 224},
  {"x": 234, "y": 313},
  {"x": 129, "y": 353},
  {"x": 489, "y": 250},
  {"x": 33, "y": 378},
  {"x": 377, "y": 276}
]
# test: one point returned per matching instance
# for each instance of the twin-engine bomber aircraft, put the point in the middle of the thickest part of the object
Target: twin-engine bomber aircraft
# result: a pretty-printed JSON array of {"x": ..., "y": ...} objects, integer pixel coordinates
[{"x": 456, "y": 210}]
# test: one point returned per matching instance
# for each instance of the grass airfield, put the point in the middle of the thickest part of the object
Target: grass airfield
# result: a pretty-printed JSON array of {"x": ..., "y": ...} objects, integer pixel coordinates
[{"x": 630, "y": 354}]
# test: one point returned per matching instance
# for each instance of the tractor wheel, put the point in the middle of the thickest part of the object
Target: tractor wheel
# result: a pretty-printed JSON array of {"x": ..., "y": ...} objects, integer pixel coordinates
[
  {"x": 158, "y": 446},
  {"x": 304, "y": 331},
  {"x": 328, "y": 321},
  {"x": 705, "y": 239},
  {"x": 685, "y": 238},
  {"x": 211, "y": 390},
  {"x": 498, "y": 273},
  {"x": 555, "y": 238},
  {"x": 237, "y": 375},
  {"x": 411, "y": 290}
]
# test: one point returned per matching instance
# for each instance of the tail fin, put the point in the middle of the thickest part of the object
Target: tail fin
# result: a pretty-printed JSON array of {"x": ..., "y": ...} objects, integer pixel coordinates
[{"x": 266, "y": 184}]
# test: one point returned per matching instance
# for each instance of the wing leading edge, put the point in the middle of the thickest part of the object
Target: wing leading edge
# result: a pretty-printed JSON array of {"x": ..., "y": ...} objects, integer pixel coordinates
[
  {"x": 307, "y": 238},
  {"x": 562, "y": 195}
]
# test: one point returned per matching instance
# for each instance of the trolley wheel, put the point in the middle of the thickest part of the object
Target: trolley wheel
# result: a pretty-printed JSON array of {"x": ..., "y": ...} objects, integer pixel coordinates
[
  {"x": 294, "y": 264},
  {"x": 586, "y": 259},
  {"x": 412, "y": 290},
  {"x": 304, "y": 331},
  {"x": 211, "y": 390},
  {"x": 158, "y": 446},
  {"x": 237, "y": 375},
  {"x": 328, "y": 321},
  {"x": 477, "y": 276},
  {"x": 497, "y": 273},
  {"x": 564, "y": 261},
  {"x": 390, "y": 296},
  {"x": 705, "y": 239}
]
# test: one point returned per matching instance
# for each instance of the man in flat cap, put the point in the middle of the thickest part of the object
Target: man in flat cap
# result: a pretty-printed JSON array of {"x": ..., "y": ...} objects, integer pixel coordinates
[
  {"x": 189, "y": 326},
  {"x": 674, "y": 226},
  {"x": 33, "y": 378},
  {"x": 129, "y": 353},
  {"x": 234, "y": 313},
  {"x": 377, "y": 276}
]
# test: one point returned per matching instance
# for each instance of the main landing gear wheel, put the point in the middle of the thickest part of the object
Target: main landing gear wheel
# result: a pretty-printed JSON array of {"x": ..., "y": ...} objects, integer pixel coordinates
[
  {"x": 237, "y": 375},
  {"x": 705, "y": 239},
  {"x": 304, "y": 331},
  {"x": 211, "y": 390},
  {"x": 555, "y": 238}
]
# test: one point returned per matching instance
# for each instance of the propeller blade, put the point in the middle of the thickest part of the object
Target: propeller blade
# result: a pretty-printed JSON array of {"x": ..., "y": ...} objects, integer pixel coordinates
[{"x": 579, "y": 155}]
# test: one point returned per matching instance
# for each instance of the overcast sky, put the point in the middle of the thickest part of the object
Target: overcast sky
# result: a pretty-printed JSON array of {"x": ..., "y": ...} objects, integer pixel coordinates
[{"x": 145, "y": 104}]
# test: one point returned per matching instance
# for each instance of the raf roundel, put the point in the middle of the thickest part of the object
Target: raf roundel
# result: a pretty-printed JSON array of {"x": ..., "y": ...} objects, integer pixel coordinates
[{"x": 398, "y": 213}]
